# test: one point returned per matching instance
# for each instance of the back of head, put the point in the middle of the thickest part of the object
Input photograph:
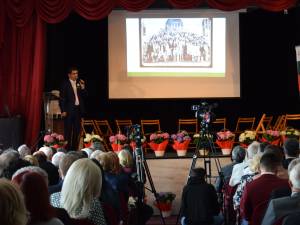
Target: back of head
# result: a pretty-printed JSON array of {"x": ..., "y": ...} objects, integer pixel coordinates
[
  {"x": 294, "y": 177},
  {"x": 48, "y": 152},
  {"x": 269, "y": 162},
  {"x": 125, "y": 158},
  {"x": 35, "y": 190},
  {"x": 12, "y": 207},
  {"x": 198, "y": 173},
  {"x": 238, "y": 154},
  {"x": 24, "y": 150},
  {"x": 67, "y": 161},
  {"x": 277, "y": 150},
  {"x": 34, "y": 169},
  {"x": 81, "y": 185},
  {"x": 291, "y": 147},
  {"x": 13, "y": 167},
  {"x": 252, "y": 150},
  {"x": 293, "y": 163},
  {"x": 57, "y": 157}
]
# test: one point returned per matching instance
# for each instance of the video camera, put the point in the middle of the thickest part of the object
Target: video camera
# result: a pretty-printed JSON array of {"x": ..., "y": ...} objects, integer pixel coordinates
[{"x": 204, "y": 112}]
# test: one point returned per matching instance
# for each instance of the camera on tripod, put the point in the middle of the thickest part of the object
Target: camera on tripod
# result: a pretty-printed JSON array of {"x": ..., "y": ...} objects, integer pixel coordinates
[{"x": 204, "y": 112}]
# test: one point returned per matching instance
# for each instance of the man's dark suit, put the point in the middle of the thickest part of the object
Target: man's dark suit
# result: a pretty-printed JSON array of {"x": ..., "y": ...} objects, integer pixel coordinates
[
  {"x": 74, "y": 113},
  {"x": 281, "y": 207}
]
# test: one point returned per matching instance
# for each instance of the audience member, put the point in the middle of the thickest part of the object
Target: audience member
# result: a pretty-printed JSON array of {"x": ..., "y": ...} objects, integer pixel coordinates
[
  {"x": 80, "y": 192},
  {"x": 51, "y": 170},
  {"x": 237, "y": 156},
  {"x": 199, "y": 200},
  {"x": 57, "y": 158},
  {"x": 281, "y": 207},
  {"x": 32, "y": 160},
  {"x": 12, "y": 206},
  {"x": 64, "y": 166},
  {"x": 291, "y": 151},
  {"x": 265, "y": 183},
  {"x": 238, "y": 169},
  {"x": 35, "y": 191},
  {"x": 24, "y": 150}
]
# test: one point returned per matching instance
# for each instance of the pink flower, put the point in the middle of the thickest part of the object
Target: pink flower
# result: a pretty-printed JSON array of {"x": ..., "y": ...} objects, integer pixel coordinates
[
  {"x": 48, "y": 138},
  {"x": 54, "y": 135},
  {"x": 60, "y": 137}
]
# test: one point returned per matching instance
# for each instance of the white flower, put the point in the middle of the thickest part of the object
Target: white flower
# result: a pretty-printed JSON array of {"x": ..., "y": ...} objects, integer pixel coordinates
[{"x": 87, "y": 138}]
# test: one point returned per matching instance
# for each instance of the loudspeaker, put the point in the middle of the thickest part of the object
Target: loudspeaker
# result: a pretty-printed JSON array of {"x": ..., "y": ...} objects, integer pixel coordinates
[{"x": 11, "y": 132}]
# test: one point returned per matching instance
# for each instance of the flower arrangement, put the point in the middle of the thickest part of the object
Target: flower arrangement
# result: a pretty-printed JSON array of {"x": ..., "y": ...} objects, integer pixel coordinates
[
  {"x": 118, "y": 139},
  {"x": 158, "y": 142},
  {"x": 247, "y": 137},
  {"x": 181, "y": 141},
  {"x": 91, "y": 138},
  {"x": 290, "y": 132},
  {"x": 159, "y": 137},
  {"x": 54, "y": 140},
  {"x": 225, "y": 139},
  {"x": 271, "y": 136},
  {"x": 165, "y": 197}
]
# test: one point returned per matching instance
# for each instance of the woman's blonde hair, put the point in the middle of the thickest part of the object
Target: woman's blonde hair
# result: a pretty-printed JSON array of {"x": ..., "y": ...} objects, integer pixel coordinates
[
  {"x": 12, "y": 207},
  {"x": 125, "y": 158},
  {"x": 254, "y": 163},
  {"x": 82, "y": 184},
  {"x": 32, "y": 160}
]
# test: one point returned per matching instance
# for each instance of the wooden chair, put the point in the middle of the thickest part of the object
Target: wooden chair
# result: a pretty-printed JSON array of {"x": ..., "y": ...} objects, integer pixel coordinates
[
  {"x": 264, "y": 124},
  {"x": 149, "y": 126},
  {"x": 104, "y": 130},
  {"x": 218, "y": 124},
  {"x": 242, "y": 124},
  {"x": 123, "y": 125},
  {"x": 88, "y": 126},
  {"x": 189, "y": 125},
  {"x": 291, "y": 120},
  {"x": 279, "y": 123}
]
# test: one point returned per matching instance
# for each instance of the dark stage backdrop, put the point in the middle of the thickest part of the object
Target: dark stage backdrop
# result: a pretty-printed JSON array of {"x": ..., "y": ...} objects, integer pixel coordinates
[{"x": 268, "y": 70}]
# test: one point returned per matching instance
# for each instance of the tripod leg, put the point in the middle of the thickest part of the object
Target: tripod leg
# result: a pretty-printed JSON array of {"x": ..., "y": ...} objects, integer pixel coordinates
[{"x": 153, "y": 190}]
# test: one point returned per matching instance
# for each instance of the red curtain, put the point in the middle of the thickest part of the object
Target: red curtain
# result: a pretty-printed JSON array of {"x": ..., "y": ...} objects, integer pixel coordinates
[{"x": 22, "y": 43}]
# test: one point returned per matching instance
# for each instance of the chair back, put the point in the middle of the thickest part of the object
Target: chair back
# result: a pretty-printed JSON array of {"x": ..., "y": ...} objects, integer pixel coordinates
[
  {"x": 104, "y": 129},
  {"x": 88, "y": 126},
  {"x": 244, "y": 123},
  {"x": 189, "y": 125},
  {"x": 292, "y": 120},
  {"x": 264, "y": 123},
  {"x": 123, "y": 125},
  {"x": 219, "y": 124},
  {"x": 149, "y": 126},
  {"x": 279, "y": 123}
]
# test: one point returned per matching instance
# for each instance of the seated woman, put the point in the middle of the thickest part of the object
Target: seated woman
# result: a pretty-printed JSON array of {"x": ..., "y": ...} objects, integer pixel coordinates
[
  {"x": 36, "y": 195},
  {"x": 12, "y": 207},
  {"x": 80, "y": 192}
]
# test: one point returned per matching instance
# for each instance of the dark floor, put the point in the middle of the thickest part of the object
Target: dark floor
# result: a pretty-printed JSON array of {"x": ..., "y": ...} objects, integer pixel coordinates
[{"x": 156, "y": 220}]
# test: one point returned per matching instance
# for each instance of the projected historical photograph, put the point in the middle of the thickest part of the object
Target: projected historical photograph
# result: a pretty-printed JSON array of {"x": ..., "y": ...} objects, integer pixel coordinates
[{"x": 176, "y": 42}]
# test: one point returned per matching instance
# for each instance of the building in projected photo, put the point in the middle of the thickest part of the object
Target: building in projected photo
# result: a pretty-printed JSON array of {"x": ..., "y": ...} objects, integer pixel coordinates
[{"x": 176, "y": 42}]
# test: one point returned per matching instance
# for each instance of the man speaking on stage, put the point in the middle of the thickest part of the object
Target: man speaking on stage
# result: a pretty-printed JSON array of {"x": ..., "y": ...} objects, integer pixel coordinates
[{"x": 71, "y": 103}]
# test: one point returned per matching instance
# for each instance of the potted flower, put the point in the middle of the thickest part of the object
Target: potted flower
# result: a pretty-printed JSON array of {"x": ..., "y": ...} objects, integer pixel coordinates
[
  {"x": 164, "y": 202},
  {"x": 202, "y": 142},
  {"x": 290, "y": 132},
  {"x": 181, "y": 141},
  {"x": 225, "y": 139},
  {"x": 271, "y": 137},
  {"x": 158, "y": 142},
  {"x": 91, "y": 138},
  {"x": 117, "y": 141},
  {"x": 247, "y": 137},
  {"x": 54, "y": 140}
]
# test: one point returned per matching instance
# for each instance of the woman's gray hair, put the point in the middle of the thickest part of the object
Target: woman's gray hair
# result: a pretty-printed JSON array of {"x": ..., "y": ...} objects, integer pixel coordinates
[
  {"x": 81, "y": 185},
  {"x": 294, "y": 176},
  {"x": 292, "y": 164},
  {"x": 252, "y": 150},
  {"x": 24, "y": 150}
]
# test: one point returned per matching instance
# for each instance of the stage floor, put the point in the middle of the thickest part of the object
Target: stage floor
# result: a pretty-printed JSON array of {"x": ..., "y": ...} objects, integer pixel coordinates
[{"x": 170, "y": 175}]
